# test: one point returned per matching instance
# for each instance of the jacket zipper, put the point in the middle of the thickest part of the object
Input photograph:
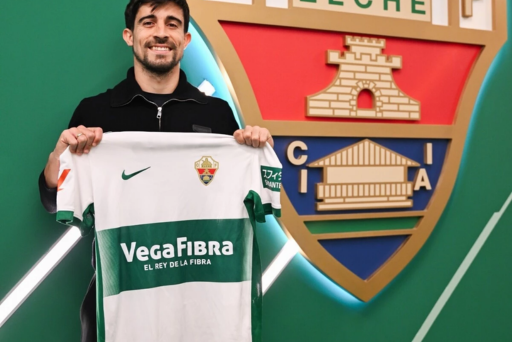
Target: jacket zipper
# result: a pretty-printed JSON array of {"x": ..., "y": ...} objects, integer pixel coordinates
[
  {"x": 159, "y": 114},
  {"x": 159, "y": 117}
]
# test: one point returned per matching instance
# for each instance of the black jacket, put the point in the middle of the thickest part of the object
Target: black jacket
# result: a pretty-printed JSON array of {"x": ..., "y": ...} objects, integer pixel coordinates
[{"x": 125, "y": 108}]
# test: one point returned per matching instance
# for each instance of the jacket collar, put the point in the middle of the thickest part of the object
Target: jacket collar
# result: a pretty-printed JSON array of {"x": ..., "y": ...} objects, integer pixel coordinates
[{"x": 128, "y": 89}]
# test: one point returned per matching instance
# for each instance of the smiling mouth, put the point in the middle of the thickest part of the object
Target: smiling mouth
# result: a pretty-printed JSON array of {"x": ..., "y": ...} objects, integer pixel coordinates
[{"x": 160, "y": 48}]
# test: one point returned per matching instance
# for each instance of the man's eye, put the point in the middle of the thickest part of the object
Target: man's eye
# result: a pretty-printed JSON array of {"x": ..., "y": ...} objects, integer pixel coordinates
[
  {"x": 173, "y": 25},
  {"x": 147, "y": 23}
]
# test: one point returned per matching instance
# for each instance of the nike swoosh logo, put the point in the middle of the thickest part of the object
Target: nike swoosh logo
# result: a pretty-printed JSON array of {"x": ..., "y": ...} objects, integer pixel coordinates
[{"x": 126, "y": 177}]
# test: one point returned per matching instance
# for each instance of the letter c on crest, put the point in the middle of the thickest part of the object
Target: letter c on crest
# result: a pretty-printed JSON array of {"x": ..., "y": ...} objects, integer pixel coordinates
[{"x": 291, "y": 148}]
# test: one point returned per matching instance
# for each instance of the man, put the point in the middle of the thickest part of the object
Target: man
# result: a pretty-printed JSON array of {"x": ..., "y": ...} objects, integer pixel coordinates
[{"x": 155, "y": 96}]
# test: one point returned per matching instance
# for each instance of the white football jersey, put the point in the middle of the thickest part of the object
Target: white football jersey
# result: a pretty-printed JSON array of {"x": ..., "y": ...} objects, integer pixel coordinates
[{"x": 174, "y": 217}]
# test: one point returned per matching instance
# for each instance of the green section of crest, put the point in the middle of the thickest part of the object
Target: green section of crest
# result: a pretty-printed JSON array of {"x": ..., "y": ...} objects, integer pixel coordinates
[{"x": 349, "y": 226}]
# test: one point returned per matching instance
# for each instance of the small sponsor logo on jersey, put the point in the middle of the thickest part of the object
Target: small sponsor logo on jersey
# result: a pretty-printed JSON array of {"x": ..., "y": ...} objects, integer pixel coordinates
[
  {"x": 62, "y": 178},
  {"x": 271, "y": 178},
  {"x": 126, "y": 177},
  {"x": 206, "y": 168}
]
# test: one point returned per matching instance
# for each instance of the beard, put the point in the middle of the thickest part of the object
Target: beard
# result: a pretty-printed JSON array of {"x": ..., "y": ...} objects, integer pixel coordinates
[{"x": 159, "y": 67}]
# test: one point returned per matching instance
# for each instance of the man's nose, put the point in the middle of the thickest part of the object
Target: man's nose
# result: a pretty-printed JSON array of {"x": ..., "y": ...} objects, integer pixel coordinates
[{"x": 160, "y": 31}]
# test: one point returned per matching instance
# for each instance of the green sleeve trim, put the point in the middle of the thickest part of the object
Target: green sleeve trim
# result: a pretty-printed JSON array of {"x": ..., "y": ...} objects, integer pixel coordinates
[
  {"x": 85, "y": 225},
  {"x": 65, "y": 217},
  {"x": 258, "y": 210},
  {"x": 88, "y": 220},
  {"x": 254, "y": 207},
  {"x": 269, "y": 210}
]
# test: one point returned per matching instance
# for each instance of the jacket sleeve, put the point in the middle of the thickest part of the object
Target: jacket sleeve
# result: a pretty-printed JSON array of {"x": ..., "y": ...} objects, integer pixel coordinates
[
  {"x": 229, "y": 117},
  {"x": 49, "y": 195}
]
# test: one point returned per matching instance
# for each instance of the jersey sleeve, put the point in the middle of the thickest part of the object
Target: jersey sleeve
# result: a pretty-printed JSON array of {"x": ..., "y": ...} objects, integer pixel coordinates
[
  {"x": 74, "y": 192},
  {"x": 265, "y": 196}
]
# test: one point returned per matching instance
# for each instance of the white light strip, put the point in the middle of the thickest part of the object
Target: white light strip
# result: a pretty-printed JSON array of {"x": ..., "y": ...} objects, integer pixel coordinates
[
  {"x": 207, "y": 88},
  {"x": 461, "y": 271},
  {"x": 38, "y": 273},
  {"x": 278, "y": 264}
]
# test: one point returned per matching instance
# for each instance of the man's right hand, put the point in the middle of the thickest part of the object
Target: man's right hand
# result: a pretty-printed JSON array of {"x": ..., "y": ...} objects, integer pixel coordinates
[{"x": 80, "y": 140}]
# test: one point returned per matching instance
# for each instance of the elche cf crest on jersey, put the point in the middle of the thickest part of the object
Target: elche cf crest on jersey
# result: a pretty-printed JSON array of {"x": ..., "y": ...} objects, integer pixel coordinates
[
  {"x": 176, "y": 256},
  {"x": 369, "y": 104}
]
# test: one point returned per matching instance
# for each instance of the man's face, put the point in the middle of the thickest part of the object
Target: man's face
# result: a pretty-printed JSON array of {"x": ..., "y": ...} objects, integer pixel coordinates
[{"x": 158, "y": 38}]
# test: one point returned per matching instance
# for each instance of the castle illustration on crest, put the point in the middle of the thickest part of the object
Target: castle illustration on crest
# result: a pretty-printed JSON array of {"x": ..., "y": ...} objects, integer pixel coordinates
[{"x": 364, "y": 67}]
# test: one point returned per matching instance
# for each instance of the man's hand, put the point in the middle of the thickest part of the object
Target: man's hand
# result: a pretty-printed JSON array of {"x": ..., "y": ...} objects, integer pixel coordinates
[
  {"x": 80, "y": 140},
  {"x": 254, "y": 136}
]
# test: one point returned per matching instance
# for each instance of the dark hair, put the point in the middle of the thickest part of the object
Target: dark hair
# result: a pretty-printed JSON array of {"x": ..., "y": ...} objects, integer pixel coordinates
[{"x": 133, "y": 7}]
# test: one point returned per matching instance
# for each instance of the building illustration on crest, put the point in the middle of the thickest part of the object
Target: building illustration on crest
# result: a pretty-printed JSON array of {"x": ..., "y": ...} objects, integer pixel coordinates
[
  {"x": 364, "y": 67},
  {"x": 364, "y": 175}
]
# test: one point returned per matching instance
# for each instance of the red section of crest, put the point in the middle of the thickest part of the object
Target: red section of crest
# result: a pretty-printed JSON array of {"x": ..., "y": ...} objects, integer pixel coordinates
[
  {"x": 211, "y": 171},
  {"x": 285, "y": 65}
]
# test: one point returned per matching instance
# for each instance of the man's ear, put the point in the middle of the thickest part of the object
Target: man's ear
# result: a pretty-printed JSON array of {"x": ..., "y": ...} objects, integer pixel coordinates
[
  {"x": 188, "y": 38},
  {"x": 128, "y": 36}
]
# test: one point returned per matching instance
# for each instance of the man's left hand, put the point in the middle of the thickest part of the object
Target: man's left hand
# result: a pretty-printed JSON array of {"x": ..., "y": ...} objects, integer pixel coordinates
[{"x": 254, "y": 136}]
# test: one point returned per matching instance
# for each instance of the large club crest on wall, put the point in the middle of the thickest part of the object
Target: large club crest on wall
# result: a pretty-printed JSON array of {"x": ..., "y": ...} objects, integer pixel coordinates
[{"x": 369, "y": 103}]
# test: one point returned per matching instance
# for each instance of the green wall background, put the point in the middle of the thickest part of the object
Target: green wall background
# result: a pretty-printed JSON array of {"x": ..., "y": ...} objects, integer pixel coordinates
[{"x": 55, "y": 53}]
